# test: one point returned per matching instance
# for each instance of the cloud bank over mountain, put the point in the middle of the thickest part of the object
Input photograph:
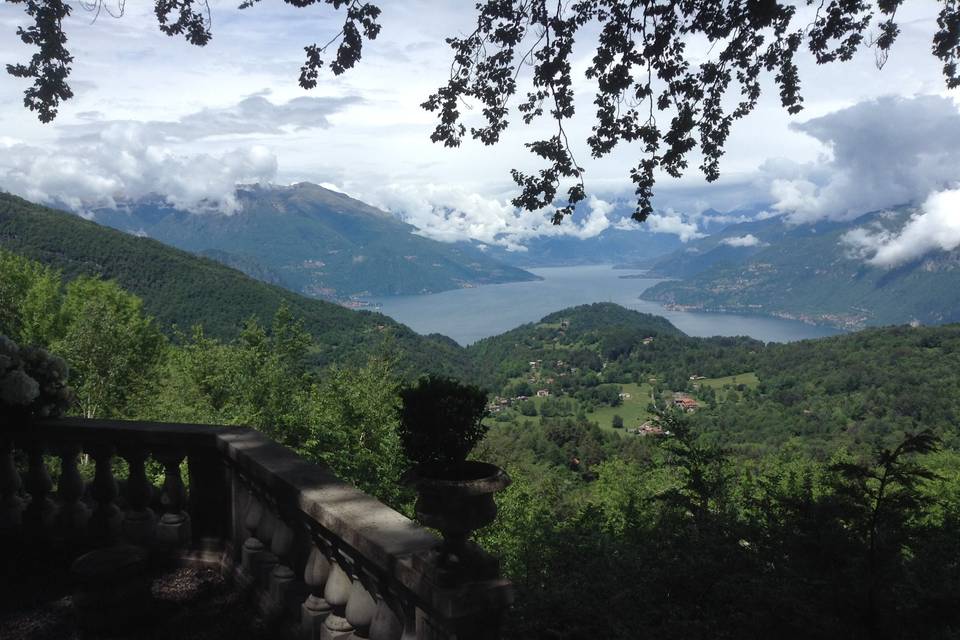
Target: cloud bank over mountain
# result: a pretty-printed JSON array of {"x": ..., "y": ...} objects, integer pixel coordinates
[
  {"x": 452, "y": 213},
  {"x": 934, "y": 227},
  {"x": 884, "y": 152},
  {"x": 97, "y": 162},
  {"x": 881, "y": 153},
  {"x": 119, "y": 164}
]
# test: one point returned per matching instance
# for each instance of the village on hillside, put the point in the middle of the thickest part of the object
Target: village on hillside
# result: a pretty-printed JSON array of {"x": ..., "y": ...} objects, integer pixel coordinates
[{"x": 557, "y": 387}]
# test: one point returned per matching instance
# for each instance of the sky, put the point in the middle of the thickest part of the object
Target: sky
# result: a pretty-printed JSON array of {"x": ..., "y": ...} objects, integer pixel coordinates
[{"x": 153, "y": 114}]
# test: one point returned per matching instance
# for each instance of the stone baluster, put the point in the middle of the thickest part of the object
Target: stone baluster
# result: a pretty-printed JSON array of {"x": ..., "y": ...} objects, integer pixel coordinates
[
  {"x": 360, "y": 606},
  {"x": 10, "y": 504},
  {"x": 38, "y": 516},
  {"x": 387, "y": 623},
  {"x": 174, "y": 526},
  {"x": 73, "y": 514},
  {"x": 106, "y": 518},
  {"x": 267, "y": 560},
  {"x": 252, "y": 547},
  {"x": 282, "y": 576},
  {"x": 140, "y": 523},
  {"x": 337, "y": 594},
  {"x": 315, "y": 609}
]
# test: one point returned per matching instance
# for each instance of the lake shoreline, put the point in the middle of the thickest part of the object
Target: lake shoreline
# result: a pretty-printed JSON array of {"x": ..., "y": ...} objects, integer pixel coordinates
[{"x": 468, "y": 315}]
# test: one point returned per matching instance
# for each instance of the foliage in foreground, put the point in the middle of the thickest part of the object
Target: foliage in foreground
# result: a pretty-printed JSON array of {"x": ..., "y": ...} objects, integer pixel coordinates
[{"x": 687, "y": 542}]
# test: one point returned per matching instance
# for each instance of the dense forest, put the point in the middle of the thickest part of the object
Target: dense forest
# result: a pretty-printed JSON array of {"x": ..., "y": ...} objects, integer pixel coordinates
[{"x": 663, "y": 485}]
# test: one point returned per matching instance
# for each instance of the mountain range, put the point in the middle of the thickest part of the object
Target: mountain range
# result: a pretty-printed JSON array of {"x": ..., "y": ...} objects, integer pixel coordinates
[
  {"x": 181, "y": 289},
  {"x": 316, "y": 242},
  {"x": 808, "y": 272}
]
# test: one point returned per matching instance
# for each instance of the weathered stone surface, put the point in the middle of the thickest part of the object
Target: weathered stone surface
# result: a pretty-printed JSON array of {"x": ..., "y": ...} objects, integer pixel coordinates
[
  {"x": 113, "y": 589},
  {"x": 387, "y": 623},
  {"x": 173, "y": 530}
]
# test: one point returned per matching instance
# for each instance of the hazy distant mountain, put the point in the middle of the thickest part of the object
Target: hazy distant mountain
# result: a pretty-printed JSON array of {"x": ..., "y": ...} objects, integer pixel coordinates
[
  {"x": 612, "y": 246},
  {"x": 317, "y": 242},
  {"x": 808, "y": 272},
  {"x": 630, "y": 245}
]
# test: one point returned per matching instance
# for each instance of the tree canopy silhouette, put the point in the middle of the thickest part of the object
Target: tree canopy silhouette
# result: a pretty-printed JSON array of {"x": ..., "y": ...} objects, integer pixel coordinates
[{"x": 650, "y": 88}]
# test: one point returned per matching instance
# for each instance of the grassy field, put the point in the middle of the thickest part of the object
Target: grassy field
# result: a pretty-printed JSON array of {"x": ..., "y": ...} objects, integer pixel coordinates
[
  {"x": 749, "y": 379},
  {"x": 633, "y": 410}
]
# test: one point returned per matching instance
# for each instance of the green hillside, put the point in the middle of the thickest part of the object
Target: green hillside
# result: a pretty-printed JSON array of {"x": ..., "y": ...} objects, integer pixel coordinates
[
  {"x": 316, "y": 242},
  {"x": 807, "y": 272},
  {"x": 575, "y": 335},
  {"x": 181, "y": 289},
  {"x": 856, "y": 390}
]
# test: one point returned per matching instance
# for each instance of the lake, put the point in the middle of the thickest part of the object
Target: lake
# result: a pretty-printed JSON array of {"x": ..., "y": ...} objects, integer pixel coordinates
[{"x": 467, "y": 315}]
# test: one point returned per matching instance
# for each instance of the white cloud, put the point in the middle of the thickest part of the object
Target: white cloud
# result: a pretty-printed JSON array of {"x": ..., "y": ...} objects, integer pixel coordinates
[
  {"x": 936, "y": 226},
  {"x": 450, "y": 213},
  {"x": 725, "y": 219},
  {"x": 673, "y": 223},
  {"x": 120, "y": 163},
  {"x": 882, "y": 153},
  {"x": 748, "y": 240},
  {"x": 598, "y": 219}
]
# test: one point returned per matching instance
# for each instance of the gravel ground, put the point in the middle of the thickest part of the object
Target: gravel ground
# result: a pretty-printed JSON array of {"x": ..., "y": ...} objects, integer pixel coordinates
[{"x": 189, "y": 603}]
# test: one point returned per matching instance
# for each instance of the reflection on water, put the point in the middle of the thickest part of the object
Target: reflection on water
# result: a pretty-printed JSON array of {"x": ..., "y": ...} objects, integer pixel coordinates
[{"x": 467, "y": 315}]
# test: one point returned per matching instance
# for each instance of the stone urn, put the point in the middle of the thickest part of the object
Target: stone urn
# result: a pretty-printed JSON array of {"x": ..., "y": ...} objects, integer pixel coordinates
[{"x": 457, "y": 501}]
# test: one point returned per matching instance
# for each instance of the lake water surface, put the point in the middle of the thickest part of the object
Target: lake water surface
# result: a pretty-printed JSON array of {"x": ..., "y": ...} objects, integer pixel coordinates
[{"x": 467, "y": 315}]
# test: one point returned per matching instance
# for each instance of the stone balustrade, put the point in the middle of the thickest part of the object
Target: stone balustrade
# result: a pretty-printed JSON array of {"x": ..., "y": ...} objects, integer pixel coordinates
[{"x": 314, "y": 551}]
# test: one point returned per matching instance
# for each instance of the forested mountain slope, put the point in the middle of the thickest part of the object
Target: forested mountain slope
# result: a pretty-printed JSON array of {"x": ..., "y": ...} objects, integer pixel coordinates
[
  {"x": 599, "y": 337},
  {"x": 808, "y": 272},
  {"x": 317, "y": 242},
  {"x": 181, "y": 289}
]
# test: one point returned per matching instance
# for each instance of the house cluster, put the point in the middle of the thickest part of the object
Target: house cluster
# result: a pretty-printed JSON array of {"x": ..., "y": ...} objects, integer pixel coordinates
[
  {"x": 559, "y": 368},
  {"x": 499, "y": 403},
  {"x": 648, "y": 429},
  {"x": 685, "y": 401},
  {"x": 648, "y": 340}
]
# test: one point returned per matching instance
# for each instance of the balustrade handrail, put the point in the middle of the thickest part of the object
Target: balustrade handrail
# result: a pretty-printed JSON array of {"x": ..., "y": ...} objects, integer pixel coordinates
[{"x": 382, "y": 541}]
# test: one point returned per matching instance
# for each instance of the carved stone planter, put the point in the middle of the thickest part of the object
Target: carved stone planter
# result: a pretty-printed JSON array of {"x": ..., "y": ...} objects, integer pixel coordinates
[{"x": 457, "y": 504}]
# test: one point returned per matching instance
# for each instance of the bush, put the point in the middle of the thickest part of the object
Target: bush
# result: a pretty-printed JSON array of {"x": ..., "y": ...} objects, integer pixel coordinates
[
  {"x": 441, "y": 421},
  {"x": 32, "y": 382}
]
